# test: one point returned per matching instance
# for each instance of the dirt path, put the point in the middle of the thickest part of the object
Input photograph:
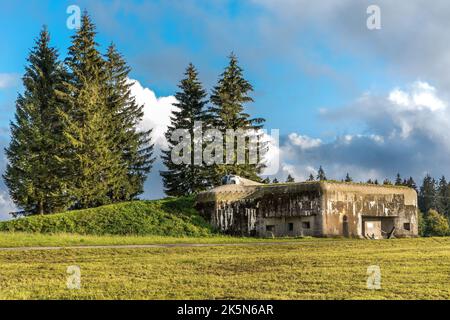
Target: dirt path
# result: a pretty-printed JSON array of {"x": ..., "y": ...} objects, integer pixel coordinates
[{"x": 162, "y": 245}]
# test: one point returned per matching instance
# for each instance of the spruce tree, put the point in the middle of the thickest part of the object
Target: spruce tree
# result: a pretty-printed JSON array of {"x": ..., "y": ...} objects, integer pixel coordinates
[
  {"x": 412, "y": 184},
  {"x": 134, "y": 146},
  {"x": 427, "y": 194},
  {"x": 228, "y": 100},
  {"x": 92, "y": 157},
  {"x": 321, "y": 174},
  {"x": 398, "y": 180},
  {"x": 442, "y": 196},
  {"x": 290, "y": 179},
  {"x": 34, "y": 175},
  {"x": 311, "y": 177},
  {"x": 348, "y": 178},
  {"x": 184, "y": 179},
  {"x": 447, "y": 209},
  {"x": 275, "y": 180},
  {"x": 387, "y": 182}
]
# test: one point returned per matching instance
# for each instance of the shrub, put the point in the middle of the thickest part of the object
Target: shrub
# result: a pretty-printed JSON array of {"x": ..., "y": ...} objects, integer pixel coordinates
[
  {"x": 435, "y": 224},
  {"x": 168, "y": 217},
  {"x": 421, "y": 223}
]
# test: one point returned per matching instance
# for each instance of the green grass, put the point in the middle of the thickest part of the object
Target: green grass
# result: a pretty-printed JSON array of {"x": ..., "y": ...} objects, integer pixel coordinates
[
  {"x": 309, "y": 269},
  {"x": 298, "y": 269},
  {"x": 24, "y": 239},
  {"x": 167, "y": 217}
]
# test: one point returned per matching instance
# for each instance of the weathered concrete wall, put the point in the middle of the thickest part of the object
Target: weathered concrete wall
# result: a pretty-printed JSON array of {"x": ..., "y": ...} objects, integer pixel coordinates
[
  {"x": 310, "y": 209},
  {"x": 355, "y": 204},
  {"x": 238, "y": 212},
  {"x": 287, "y": 227},
  {"x": 284, "y": 205},
  {"x": 235, "y": 217}
]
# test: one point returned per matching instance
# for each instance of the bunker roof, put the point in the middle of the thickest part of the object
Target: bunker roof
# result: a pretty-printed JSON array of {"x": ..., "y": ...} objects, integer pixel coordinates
[{"x": 234, "y": 192}]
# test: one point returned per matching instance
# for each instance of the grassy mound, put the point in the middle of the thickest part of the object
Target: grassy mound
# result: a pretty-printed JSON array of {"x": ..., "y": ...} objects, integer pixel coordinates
[{"x": 169, "y": 217}]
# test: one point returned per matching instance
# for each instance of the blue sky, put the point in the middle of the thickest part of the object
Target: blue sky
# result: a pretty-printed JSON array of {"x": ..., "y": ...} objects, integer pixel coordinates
[
  {"x": 333, "y": 87},
  {"x": 169, "y": 39}
]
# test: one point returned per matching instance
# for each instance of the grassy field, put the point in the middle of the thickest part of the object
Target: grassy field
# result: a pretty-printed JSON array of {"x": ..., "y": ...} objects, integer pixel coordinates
[
  {"x": 23, "y": 239},
  {"x": 306, "y": 269}
]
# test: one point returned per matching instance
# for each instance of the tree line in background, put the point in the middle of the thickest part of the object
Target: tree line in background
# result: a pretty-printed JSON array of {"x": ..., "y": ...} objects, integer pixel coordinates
[{"x": 75, "y": 143}]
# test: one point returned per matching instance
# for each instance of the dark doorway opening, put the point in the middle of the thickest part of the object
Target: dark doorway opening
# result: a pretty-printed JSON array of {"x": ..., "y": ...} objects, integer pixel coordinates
[{"x": 345, "y": 226}]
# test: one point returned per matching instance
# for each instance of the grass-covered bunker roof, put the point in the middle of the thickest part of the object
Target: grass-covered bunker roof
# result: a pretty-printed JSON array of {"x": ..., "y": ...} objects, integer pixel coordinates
[{"x": 235, "y": 192}]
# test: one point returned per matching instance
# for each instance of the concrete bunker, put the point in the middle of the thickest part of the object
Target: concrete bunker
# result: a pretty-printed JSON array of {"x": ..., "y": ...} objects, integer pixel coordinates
[{"x": 319, "y": 208}]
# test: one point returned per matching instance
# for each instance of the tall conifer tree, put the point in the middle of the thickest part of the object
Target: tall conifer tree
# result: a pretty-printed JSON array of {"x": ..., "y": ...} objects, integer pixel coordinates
[
  {"x": 321, "y": 174},
  {"x": 442, "y": 197},
  {"x": 290, "y": 178},
  {"x": 33, "y": 175},
  {"x": 427, "y": 194},
  {"x": 348, "y": 178},
  {"x": 228, "y": 100},
  {"x": 398, "y": 180},
  {"x": 412, "y": 184},
  {"x": 186, "y": 178},
  {"x": 94, "y": 163},
  {"x": 134, "y": 146}
]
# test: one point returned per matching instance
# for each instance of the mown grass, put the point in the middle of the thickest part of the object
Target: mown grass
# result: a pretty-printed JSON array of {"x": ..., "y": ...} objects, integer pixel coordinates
[
  {"x": 310, "y": 269},
  {"x": 25, "y": 239}
]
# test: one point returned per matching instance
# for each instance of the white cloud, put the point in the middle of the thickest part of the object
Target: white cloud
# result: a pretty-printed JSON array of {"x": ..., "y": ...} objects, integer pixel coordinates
[
  {"x": 418, "y": 109},
  {"x": 304, "y": 142},
  {"x": 420, "y": 96},
  {"x": 6, "y": 206},
  {"x": 399, "y": 97},
  {"x": 299, "y": 173},
  {"x": 404, "y": 131},
  {"x": 157, "y": 112},
  {"x": 272, "y": 156}
]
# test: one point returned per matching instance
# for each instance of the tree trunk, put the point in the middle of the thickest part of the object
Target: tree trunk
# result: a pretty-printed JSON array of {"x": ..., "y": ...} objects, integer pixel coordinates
[{"x": 41, "y": 207}]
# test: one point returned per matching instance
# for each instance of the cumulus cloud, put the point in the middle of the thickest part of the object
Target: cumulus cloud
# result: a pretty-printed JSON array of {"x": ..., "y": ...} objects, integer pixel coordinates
[
  {"x": 405, "y": 131},
  {"x": 271, "y": 152},
  {"x": 157, "y": 111},
  {"x": 420, "y": 96},
  {"x": 304, "y": 142}
]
